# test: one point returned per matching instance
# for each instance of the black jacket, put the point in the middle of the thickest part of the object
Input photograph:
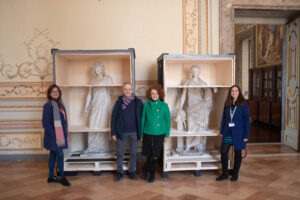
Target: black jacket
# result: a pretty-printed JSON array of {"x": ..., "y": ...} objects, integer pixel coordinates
[{"x": 117, "y": 120}]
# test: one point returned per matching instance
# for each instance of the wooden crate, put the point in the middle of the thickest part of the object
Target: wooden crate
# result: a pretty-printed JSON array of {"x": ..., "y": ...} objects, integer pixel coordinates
[
  {"x": 73, "y": 73},
  {"x": 218, "y": 71}
]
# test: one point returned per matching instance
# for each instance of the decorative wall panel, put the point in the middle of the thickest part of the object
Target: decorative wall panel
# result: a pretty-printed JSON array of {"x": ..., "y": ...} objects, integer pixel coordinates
[
  {"x": 200, "y": 26},
  {"x": 191, "y": 26},
  {"x": 29, "y": 78},
  {"x": 21, "y": 141},
  {"x": 292, "y": 82}
]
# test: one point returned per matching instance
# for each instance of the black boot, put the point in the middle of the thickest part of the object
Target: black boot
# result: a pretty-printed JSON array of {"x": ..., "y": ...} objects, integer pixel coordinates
[
  {"x": 132, "y": 176},
  {"x": 152, "y": 172},
  {"x": 146, "y": 168},
  {"x": 234, "y": 178},
  {"x": 118, "y": 177},
  {"x": 222, "y": 177},
  {"x": 144, "y": 175},
  {"x": 64, "y": 182},
  {"x": 224, "y": 160},
  {"x": 237, "y": 164},
  {"x": 52, "y": 180}
]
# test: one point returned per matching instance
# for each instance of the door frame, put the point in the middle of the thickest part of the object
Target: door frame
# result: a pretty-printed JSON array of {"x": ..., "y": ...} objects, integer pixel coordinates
[{"x": 227, "y": 35}]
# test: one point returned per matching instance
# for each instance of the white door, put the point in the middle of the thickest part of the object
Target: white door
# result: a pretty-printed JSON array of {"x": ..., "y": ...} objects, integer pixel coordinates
[{"x": 291, "y": 128}]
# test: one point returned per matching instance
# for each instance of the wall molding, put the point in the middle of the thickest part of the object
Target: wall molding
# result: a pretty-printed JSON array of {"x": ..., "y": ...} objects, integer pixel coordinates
[{"x": 21, "y": 141}]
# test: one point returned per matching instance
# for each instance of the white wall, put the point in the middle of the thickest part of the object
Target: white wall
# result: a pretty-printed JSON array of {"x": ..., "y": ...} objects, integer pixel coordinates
[{"x": 151, "y": 27}]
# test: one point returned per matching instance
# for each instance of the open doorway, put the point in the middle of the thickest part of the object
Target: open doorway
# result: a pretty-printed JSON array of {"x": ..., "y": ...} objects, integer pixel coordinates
[{"x": 260, "y": 64}]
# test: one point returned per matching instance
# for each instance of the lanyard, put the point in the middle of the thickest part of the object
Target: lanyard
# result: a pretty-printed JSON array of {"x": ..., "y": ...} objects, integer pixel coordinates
[{"x": 232, "y": 113}]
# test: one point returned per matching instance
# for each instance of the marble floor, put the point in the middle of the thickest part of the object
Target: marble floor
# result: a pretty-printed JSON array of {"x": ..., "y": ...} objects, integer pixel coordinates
[{"x": 271, "y": 171}]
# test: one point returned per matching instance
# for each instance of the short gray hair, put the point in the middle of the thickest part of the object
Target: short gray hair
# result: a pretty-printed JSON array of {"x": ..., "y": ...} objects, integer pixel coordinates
[{"x": 127, "y": 83}]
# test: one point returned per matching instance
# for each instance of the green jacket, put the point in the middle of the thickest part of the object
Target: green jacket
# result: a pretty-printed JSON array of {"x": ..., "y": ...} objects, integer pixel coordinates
[{"x": 156, "y": 118}]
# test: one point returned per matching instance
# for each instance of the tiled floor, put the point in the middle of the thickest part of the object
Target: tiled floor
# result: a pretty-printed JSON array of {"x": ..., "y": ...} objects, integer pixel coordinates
[{"x": 261, "y": 177}]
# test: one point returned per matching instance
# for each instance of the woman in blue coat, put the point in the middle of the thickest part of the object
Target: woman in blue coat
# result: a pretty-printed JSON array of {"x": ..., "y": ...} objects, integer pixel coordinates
[
  {"x": 56, "y": 134},
  {"x": 234, "y": 130}
]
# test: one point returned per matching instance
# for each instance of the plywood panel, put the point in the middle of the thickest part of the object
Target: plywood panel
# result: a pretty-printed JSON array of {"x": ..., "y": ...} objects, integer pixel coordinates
[
  {"x": 213, "y": 72},
  {"x": 77, "y": 70}
]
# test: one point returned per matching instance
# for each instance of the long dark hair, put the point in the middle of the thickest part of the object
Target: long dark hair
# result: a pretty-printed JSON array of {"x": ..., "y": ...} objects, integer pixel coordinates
[
  {"x": 240, "y": 100},
  {"x": 50, "y": 88}
]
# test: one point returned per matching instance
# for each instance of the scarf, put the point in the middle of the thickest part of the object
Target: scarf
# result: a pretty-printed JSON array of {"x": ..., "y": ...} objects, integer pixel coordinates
[
  {"x": 59, "y": 133},
  {"x": 127, "y": 101}
]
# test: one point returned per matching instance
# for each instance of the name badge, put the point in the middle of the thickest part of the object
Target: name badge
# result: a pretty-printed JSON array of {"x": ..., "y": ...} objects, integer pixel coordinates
[{"x": 231, "y": 124}]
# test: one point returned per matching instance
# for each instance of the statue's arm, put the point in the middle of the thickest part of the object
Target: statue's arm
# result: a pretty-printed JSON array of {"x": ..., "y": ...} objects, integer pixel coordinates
[
  {"x": 88, "y": 101},
  {"x": 183, "y": 96},
  {"x": 208, "y": 93},
  {"x": 110, "y": 80}
]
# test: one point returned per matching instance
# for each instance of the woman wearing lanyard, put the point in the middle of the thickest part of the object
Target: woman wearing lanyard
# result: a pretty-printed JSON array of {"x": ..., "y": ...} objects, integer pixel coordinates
[{"x": 234, "y": 130}]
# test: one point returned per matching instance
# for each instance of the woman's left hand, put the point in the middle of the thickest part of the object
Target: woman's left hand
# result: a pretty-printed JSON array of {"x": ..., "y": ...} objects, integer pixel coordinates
[
  {"x": 166, "y": 139},
  {"x": 245, "y": 140}
]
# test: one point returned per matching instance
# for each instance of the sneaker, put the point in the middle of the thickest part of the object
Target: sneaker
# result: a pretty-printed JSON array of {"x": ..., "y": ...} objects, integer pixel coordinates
[
  {"x": 52, "y": 180},
  {"x": 132, "y": 176},
  {"x": 118, "y": 177},
  {"x": 64, "y": 182},
  {"x": 222, "y": 177}
]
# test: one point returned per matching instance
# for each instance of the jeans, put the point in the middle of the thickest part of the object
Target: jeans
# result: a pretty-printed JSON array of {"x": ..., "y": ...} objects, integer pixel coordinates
[
  {"x": 121, "y": 147},
  {"x": 59, "y": 156}
]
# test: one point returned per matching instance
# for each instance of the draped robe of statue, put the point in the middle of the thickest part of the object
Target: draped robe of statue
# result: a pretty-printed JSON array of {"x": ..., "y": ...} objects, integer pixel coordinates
[
  {"x": 98, "y": 107},
  {"x": 198, "y": 106}
]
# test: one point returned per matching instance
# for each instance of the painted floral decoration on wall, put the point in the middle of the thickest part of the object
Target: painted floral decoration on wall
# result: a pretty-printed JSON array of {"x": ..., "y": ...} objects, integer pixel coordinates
[{"x": 40, "y": 60}]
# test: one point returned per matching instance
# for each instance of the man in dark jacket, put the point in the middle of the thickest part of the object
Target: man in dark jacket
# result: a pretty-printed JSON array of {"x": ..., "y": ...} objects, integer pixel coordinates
[{"x": 126, "y": 125}]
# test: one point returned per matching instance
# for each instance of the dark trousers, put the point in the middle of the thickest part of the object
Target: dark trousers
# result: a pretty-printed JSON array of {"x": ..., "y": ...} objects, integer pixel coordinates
[
  {"x": 150, "y": 166},
  {"x": 121, "y": 145},
  {"x": 59, "y": 156},
  {"x": 152, "y": 148},
  {"x": 224, "y": 159}
]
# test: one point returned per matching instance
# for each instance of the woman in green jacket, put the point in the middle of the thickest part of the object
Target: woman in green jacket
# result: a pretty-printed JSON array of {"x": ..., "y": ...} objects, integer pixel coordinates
[{"x": 156, "y": 123}]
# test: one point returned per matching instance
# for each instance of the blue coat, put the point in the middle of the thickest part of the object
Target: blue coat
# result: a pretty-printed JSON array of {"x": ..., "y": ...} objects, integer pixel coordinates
[
  {"x": 242, "y": 125},
  {"x": 49, "y": 131},
  {"x": 117, "y": 120}
]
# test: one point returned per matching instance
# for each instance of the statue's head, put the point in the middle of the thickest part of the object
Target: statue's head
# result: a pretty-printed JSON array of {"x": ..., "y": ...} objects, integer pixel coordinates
[
  {"x": 98, "y": 68},
  {"x": 195, "y": 70}
]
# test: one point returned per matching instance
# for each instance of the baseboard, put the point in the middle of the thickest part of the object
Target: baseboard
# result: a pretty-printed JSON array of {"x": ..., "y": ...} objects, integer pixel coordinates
[{"x": 24, "y": 157}]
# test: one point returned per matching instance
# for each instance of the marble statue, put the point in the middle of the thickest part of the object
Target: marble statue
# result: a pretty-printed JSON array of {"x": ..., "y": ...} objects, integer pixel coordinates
[
  {"x": 97, "y": 109},
  {"x": 180, "y": 118},
  {"x": 198, "y": 107}
]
